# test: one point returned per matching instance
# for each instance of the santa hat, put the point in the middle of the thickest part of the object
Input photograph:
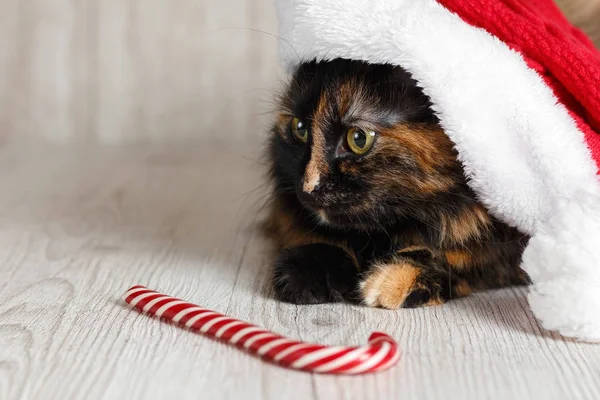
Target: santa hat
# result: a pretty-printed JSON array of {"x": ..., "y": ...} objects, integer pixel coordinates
[{"x": 517, "y": 89}]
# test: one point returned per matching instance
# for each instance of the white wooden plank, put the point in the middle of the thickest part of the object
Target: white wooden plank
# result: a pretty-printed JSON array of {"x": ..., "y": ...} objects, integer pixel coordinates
[{"x": 78, "y": 225}]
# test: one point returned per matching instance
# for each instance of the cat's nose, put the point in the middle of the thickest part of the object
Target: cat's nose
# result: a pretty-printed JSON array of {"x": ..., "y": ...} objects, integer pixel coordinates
[
  {"x": 312, "y": 198},
  {"x": 312, "y": 184},
  {"x": 314, "y": 188},
  {"x": 310, "y": 194}
]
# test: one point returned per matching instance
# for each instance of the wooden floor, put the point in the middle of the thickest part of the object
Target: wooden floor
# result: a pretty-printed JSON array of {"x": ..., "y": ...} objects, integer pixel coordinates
[{"x": 79, "y": 225}]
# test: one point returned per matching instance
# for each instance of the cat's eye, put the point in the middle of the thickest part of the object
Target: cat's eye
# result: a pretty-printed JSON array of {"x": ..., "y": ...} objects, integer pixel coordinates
[
  {"x": 360, "y": 140},
  {"x": 298, "y": 129}
]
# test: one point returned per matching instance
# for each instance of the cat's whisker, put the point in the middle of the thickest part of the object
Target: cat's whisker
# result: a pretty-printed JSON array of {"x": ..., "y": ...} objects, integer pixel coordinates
[
  {"x": 381, "y": 226},
  {"x": 275, "y": 36}
]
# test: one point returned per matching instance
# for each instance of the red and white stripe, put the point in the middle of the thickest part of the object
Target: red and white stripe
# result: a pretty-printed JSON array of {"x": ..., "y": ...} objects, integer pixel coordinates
[{"x": 381, "y": 352}]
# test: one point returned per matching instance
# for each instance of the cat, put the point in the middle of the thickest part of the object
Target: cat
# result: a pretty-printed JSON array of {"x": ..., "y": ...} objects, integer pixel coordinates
[{"x": 370, "y": 203}]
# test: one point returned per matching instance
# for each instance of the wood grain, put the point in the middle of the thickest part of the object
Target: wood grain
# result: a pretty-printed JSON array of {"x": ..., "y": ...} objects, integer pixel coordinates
[
  {"x": 79, "y": 225},
  {"x": 112, "y": 71}
]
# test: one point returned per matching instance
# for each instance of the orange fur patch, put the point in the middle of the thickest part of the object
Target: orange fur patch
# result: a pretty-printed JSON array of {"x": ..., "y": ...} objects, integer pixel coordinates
[
  {"x": 432, "y": 150},
  {"x": 462, "y": 289},
  {"x": 410, "y": 249},
  {"x": 459, "y": 259},
  {"x": 389, "y": 285},
  {"x": 430, "y": 145},
  {"x": 436, "y": 301},
  {"x": 348, "y": 92},
  {"x": 282, "y": 122},
  {"x": 469, "y": 224},
  {"x": 317, "y": 165}
]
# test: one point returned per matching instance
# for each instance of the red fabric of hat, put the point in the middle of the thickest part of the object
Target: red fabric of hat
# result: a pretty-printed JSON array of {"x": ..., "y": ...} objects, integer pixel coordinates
[{"x": 563, "y": 55}]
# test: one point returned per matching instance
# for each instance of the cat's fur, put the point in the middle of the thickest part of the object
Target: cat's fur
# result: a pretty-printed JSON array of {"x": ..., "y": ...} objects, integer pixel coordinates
[{"x": 395, "y": 227}]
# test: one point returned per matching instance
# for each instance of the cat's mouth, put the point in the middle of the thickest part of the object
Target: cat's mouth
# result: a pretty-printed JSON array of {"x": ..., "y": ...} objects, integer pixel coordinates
[
  {"x": 339, "y": 218},
  {"x": 335, "y": 217},
  {"x": 322, "y": 217},
  {"x": 335, "y": 213}
]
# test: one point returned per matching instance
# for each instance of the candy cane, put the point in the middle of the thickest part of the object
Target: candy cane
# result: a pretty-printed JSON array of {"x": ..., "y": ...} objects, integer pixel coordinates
[{"x": 379, "y": 354}]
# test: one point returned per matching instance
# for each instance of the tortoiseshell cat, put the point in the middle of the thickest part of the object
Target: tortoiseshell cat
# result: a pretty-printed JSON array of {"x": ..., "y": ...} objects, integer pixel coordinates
[{"x": 370, "y": 203}]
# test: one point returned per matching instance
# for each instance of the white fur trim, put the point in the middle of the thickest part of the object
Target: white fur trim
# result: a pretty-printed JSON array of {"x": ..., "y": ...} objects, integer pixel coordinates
[
  {"x": 566, "y": 294},
  {"x": 522, "y": 152}
]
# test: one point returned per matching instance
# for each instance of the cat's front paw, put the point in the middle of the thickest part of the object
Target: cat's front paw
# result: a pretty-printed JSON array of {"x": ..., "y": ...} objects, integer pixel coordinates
[
  {"x": 315, "y": 273},
  {"x": 403, "y": 284}
]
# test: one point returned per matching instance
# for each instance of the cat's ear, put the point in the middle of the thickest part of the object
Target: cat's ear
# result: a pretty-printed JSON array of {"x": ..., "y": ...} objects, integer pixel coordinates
[{"x": 306, "y": 70}]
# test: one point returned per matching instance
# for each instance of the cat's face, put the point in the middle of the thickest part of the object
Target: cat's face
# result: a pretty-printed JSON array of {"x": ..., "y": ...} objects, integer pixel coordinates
[{"x": 358, "y": 146}]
